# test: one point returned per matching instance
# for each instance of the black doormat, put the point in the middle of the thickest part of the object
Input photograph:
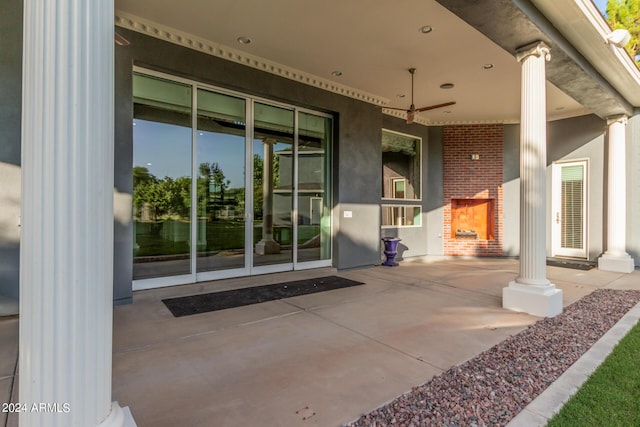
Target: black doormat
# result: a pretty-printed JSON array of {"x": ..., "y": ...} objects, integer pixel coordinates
[
  {"x": 203, "y": 303},
  {"x": 577, "y": 265}
]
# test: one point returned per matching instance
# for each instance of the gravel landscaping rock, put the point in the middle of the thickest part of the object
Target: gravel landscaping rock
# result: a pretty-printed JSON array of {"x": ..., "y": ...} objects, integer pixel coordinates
[{"x": 493, "y": 387}]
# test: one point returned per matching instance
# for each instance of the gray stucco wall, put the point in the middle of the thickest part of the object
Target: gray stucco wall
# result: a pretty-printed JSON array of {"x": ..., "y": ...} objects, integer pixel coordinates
[
  {"x": 123, "y": 179},
  {"x": 570, "y": 139},
  {"x": 435, "y": 192},
  {"x": 10, "y": 131}
]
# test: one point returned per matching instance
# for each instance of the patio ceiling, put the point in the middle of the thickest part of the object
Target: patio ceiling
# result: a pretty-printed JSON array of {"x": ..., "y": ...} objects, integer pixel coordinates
[{"x": 372, "y": 43}]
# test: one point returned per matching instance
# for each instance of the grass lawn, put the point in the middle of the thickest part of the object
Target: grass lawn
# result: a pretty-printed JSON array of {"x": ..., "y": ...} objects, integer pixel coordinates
[{"x": 611, "y": 396}]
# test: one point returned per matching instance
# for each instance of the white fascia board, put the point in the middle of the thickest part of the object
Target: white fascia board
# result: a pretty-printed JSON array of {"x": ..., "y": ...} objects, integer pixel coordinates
[{"x": 582, "y": 24}]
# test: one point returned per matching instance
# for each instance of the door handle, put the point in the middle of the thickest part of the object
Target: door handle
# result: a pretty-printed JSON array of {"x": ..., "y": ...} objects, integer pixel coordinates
[{"x": 557, "y": 217}]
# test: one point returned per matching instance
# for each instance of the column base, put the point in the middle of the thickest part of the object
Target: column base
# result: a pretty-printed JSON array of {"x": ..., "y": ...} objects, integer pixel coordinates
[
  {"x": 618, "y": 264},
  {"x": 118, "y": 417},
  {"x": 543, "y": 301},
  {"x": 267, "y": 247}
]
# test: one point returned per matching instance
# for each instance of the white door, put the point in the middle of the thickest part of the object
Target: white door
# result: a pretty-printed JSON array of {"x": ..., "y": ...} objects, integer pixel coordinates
[{"x": 569, "y": 209}]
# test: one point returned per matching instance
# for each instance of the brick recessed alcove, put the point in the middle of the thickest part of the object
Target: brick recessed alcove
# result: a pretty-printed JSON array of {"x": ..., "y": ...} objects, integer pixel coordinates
[
  {"x": 472, "y": 219},
  {"x": 473, "y": 164}
]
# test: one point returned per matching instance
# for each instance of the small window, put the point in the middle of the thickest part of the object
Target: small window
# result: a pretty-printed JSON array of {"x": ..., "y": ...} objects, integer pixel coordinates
[
  {"x": 399, "y": 185},
  {"x": 401, "y": 216},
  {"x": 401, "y": 166}
]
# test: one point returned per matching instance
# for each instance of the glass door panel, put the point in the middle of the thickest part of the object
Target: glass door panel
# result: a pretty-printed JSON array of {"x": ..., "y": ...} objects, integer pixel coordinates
[
  {"x": 221, "y": 141},
  {"x": 569, "y": 225},
  {"x": 314, "y": 171},
  {"x": 161, "y": 177},
  {"x": 272, "y": 185}
]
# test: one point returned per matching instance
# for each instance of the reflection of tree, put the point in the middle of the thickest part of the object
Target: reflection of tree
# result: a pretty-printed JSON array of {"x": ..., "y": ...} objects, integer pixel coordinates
[
  {"x": 156, "y": 199},
  {"x": 258, "y": 167},
  {"x": 212, "y": 186},
  {"x": 160, "y": 197}
]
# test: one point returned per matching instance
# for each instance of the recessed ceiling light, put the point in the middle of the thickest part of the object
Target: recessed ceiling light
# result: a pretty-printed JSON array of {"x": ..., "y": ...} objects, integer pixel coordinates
[
  {"x": 244, "y": 40},
  {"x": 447, "y": 111},
  {"x": 426, "y": 29},
  {"x": 488, "y": 66},
  {"x": 559, "y": 108},
  {"x": 400, "y": 95},
  {"x": 447, "y": 86},
  {"x": 336, "y": 73}
]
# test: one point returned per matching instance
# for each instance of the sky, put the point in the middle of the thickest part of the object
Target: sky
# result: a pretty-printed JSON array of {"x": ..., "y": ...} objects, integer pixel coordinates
[{"x": 602, "y": 5}]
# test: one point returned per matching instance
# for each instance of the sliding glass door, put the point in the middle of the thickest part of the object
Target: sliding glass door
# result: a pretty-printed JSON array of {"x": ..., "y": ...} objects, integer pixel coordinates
[
  {"x": 272, "y": 185},
  {"x": 225, "y": 185},
  {"x": 313, "y": 206},
  {"x": 221, "y": 187},
  {"x": 161, "y": 178}
]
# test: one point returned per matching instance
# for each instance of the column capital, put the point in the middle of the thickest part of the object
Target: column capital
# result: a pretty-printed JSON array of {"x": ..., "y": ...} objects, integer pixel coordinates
[
  {"x": 538, "y": 49},
  {"x": 622, "y": 118},
  {"x": 269, "y": 141}
]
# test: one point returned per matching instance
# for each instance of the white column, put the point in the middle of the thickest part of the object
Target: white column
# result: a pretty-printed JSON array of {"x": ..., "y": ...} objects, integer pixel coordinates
[
  {"x": 531, "y": 292},
  {"x": 616, "y": 258},
  {"x": 66, "y": 248}
]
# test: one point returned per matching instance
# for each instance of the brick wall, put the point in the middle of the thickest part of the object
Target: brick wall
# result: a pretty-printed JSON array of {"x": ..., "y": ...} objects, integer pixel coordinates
[{"x": 473, "y": 179}]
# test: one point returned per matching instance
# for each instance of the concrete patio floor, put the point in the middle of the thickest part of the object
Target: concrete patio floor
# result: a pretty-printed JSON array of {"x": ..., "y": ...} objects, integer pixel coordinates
[{"x": 320, "y": 359}]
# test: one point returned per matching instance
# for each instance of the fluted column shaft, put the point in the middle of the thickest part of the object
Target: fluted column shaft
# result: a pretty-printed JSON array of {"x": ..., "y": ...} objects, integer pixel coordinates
[
  {"x": 616, "y": 188},
  {"x": 616, "y": 257},
  {"x": 66, "y": 249},
  {"x": 531, "y": 292},
  {"x": 533, "y": 161}
]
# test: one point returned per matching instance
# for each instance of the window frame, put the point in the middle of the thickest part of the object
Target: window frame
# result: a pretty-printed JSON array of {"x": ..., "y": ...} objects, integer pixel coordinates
[{"x": 404, "y": 207}]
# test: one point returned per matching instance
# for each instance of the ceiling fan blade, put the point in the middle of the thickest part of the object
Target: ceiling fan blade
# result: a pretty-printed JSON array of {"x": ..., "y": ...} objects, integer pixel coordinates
[{"x": 433, "y": 107}]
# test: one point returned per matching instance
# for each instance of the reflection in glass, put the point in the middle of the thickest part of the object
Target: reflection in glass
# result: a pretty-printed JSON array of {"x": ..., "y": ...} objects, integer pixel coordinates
[
  {"x": 221, "y": 181},
  {"x": 400, "y": 166},
  {"x": 403, "y": 216},
  {"x": 314, "y": 168},
  {"x": 272, "y": 185},
  {"x": 161, "y": 177}
]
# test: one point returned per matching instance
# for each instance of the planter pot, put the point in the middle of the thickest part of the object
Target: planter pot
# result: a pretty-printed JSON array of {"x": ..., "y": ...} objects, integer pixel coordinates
[{"x": 390, "y": 250}]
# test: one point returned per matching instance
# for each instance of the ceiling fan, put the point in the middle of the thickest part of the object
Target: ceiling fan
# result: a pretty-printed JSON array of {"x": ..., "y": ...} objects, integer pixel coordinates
[{"x": 411, "y": 112}]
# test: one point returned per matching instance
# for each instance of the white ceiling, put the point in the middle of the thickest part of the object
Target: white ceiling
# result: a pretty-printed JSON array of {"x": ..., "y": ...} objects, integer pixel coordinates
[{"x": 373, "y": 43}]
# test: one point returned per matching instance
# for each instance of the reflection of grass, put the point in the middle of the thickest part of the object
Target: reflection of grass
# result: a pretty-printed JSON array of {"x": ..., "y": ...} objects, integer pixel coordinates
[
  {"x": 307, "y": 232},
  {"x": 155, "y": 245},
  {"x": 610, "y": 396},
  {"x": 224, "y": 235},
  {"x": 221, "y": 236}
]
